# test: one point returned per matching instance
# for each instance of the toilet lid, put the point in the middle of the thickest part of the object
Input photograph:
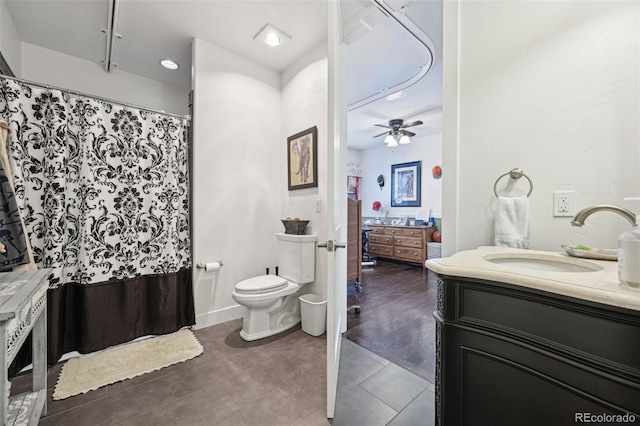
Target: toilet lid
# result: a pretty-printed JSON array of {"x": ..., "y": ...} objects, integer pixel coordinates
[{"x": 261, "y": 284}]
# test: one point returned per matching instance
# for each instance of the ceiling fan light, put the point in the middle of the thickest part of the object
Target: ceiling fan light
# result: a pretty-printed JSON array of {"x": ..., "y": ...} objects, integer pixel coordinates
[
  {"x": 405, "y": 140},
  {"x": 390, "y": 139}
]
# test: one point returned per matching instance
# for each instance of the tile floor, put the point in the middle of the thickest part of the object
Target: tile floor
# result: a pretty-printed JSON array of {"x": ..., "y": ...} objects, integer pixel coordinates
[
  {"x": 275, "y": 381},
  {"x": 375, "y": 392},
  {"x": 279, "y": 381}
]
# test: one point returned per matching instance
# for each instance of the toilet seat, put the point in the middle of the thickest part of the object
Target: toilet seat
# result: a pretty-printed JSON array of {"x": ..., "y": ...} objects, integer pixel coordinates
[{"x": 261, "y": 284}]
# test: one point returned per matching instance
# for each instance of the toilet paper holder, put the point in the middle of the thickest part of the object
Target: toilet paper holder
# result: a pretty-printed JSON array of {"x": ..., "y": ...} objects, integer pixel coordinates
[{"x": 204, "y": 265}]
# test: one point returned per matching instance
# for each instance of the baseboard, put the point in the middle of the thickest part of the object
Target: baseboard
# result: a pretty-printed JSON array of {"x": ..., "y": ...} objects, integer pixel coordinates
[{"x": 219, "y": 316}]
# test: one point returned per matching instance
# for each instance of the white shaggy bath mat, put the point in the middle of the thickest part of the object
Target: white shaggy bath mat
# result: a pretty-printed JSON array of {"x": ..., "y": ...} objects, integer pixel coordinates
[{"x": 90, "y": 372}]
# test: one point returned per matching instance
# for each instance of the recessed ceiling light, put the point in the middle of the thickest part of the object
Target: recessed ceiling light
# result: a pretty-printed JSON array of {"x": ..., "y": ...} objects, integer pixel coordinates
[
  {"x": 272, "y": 39},
  {"x": 169, "y": 64},
  {"x": 271, "y": 36}
]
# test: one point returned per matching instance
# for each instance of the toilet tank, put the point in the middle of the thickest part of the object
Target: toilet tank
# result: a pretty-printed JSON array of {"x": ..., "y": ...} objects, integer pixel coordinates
[{"x": 297, "y": 257}]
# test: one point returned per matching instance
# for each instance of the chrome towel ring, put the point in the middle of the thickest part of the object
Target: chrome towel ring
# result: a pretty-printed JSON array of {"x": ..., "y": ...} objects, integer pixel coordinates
[{"x": 513, "y": 174}]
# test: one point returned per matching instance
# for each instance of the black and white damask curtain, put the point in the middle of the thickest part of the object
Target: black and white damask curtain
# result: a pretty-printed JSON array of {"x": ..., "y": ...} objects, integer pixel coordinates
[{"x": 104, "y": 193}]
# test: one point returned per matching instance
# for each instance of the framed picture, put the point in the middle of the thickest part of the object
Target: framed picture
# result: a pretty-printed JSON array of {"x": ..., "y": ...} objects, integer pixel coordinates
[
  {"x": 353, "y": 186},
  {"x": 302, "y": 159},
  {"x": 405, "y": 184}
]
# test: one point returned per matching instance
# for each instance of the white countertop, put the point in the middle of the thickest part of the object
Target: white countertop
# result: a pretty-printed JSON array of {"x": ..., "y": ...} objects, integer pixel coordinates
[{"x": 601, "y": 286}]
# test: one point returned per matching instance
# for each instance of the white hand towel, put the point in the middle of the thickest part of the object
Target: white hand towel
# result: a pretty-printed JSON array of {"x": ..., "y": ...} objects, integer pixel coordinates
[{"x": 513, "y": 222}]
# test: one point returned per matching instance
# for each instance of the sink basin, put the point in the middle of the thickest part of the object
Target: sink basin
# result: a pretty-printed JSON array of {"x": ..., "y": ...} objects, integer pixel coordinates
[{"x": 540, "y": 262}]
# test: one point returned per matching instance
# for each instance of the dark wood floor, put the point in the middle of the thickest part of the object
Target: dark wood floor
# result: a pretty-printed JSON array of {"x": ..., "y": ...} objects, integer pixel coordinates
[{"x": 396, "y": 319}]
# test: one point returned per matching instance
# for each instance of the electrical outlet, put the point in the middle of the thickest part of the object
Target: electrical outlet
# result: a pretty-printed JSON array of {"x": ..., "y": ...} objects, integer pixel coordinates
[{"x": 563, "y": 203}]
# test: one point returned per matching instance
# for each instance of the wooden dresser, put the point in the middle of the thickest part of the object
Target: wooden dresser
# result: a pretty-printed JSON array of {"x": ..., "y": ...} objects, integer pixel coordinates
[{"x": 406, "y": 243}]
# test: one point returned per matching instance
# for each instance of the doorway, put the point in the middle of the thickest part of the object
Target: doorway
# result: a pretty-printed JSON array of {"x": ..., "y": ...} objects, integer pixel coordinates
[{"x": 396, "y": 299}]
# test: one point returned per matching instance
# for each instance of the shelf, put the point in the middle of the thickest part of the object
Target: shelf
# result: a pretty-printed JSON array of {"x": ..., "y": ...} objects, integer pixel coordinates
[
  {"x": 26, "y": 408},
  {"x": 23, "y": 310}
]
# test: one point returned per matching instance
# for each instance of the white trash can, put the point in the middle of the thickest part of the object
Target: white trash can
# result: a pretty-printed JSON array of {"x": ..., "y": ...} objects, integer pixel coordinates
[{"x": 313, "y": 310}]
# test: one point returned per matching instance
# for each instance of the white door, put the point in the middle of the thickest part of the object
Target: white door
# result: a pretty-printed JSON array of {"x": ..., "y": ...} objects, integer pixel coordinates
[{"x": 336, "y": 205}]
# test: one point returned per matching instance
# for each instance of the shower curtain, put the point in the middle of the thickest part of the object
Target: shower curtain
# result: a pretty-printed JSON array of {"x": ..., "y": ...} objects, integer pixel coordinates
[{"x": 103, "y": 189}]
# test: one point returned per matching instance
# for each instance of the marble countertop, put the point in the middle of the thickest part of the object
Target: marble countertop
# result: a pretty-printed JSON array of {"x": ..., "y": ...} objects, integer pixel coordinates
[{"x": 601, "y": 286}]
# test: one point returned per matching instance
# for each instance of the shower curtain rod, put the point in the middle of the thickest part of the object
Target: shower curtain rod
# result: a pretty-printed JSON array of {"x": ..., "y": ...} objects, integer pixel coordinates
[{"x": 100, "y": 98}]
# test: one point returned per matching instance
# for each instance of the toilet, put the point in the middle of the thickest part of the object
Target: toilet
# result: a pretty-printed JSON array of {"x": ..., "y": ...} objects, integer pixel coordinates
[{"x": 271, "y": 301}]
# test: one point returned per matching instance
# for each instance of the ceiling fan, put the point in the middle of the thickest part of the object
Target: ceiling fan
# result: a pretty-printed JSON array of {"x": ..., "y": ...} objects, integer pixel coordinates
[{"x": 397, "y": 128}]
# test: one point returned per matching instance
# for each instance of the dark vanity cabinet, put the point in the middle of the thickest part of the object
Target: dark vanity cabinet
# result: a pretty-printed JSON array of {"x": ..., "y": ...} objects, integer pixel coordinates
[{"x": 510, "y": 355}]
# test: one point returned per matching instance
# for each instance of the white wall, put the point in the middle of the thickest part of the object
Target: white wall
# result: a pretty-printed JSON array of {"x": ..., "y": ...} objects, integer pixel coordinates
[
  {"x": 241, "y": 123},
  {"x": 376, "y": 161},
  {"x": 58, "y": 69},
  {"x": 9, "y": 40},
  {"x": 237, "y": 184},
  {"x": 552, "y": 88},
  {"x": 354, "y": 156},
  {"x": 304, "y": 105}
]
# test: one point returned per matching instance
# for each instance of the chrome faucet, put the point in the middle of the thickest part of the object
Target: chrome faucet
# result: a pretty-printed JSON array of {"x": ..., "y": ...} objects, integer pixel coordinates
[{"x": 582, "y": 215}]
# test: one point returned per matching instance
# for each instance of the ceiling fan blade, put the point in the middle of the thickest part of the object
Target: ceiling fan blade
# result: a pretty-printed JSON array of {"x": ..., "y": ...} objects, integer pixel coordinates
[
  {"x": 406, "y": 132},
  {"x": 382, "y": 125},
  {"x": 413, "y": 123},
  {"x": 385, "y": 133}
]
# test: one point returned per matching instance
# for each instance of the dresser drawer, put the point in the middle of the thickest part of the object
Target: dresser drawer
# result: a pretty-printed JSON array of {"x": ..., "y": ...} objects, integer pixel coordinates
[
  {"x": 393, "y": 231},
  {"x": 408, "y": 232},
  {"x": 381, "y": 249},
  {"x": 380, "y": 239},
  {"x": 408, "y": 242},
  {"x": 376, "y": 230},
  {"x": 406, "y": 253}
]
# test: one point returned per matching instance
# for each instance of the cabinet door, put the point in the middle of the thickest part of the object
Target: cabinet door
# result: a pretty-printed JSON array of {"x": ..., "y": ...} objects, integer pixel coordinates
[{"x": 501, "y": 382}]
